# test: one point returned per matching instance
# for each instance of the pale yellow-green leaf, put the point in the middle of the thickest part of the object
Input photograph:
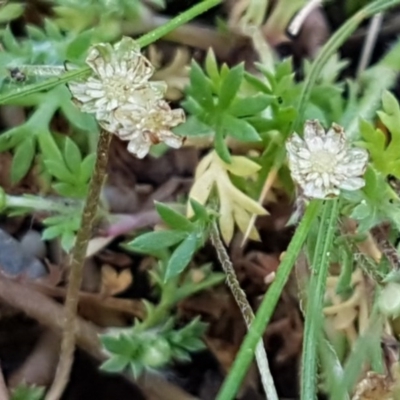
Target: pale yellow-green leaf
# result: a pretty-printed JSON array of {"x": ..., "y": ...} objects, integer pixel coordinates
[
  {"x": 226, "y": 222},
  {"x": 242, "y": 219},
  {"x": 204, "y": 165},
  {"x": 235, "y": 207},
  {"x": 242, "y": 166},
  {"x": 246, "y": 202},
  {"x": 201, "y": 190}
]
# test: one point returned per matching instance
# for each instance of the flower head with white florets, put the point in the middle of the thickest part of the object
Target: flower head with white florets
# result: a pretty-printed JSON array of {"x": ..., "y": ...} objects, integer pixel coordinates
[
  {"x": 123, "y": 99},
  {"x": 323, "y": 163}
]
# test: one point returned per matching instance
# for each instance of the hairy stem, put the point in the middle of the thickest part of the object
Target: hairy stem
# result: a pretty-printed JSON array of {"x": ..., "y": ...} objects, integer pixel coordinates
[
  {"x": 267, "y": 307},
  {"x": 314, "y": 314},
  {"x": 247, "y": 312},
  {"x": 76, "y": 269}
]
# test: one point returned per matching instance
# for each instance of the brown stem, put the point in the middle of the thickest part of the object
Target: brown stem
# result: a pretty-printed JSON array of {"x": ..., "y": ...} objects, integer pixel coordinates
[
  {"x": 75, "y": 274},
  {"x": 128, "y": 306}
]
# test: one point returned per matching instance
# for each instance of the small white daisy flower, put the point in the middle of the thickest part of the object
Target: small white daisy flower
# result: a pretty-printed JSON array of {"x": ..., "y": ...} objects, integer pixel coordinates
[
  {"x": 149, "y": 125},
  {"x": 123, "y": 100},
  {"x": 121, "y": 78},
  {"x": 322, "y": 162}
]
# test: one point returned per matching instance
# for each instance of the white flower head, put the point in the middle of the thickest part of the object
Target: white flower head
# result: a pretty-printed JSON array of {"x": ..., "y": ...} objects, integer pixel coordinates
[
  {"x": 121, "y": 78},
  {"x": 149, "y": 125},
  {"x": 322, "y": 162},
  {"x": 123, "y": 100}
]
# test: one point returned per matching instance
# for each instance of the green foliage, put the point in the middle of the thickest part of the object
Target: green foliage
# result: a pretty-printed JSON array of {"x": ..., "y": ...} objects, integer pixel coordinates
[
  {"x": 34, "y": 138},
  {"x": 136, "y": 350},
  {"x": 374, "y": 204},
  {"x": 385, "y": 154},
  {"x": 156, "y": 341},
  {"x": 325, "y": 104},
  {"x": 25, "y": 392},
  {"x": 103, "y": 16},
  {"x": 61, "y": 160},
  {"x": 34, "y": 142},
  {"x": 10, "y": 11},
  {"x": 64, "y": 226},
  {"x": 185, "y": 235},
  {"x": 47, "y": 46},
  {"x": 259, "y": 110},
  {"x": 217, "y": 103}
]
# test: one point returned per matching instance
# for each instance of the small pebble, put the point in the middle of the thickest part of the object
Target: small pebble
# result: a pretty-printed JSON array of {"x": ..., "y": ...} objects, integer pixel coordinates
[
  {"x": 15, "y": 261},
  {"x": 33, "y": 245}
]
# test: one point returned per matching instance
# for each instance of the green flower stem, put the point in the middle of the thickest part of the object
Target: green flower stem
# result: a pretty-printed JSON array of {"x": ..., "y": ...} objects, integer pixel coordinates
[
  {"x": 246, "y": 310},
  {"x": 76, "y": 268},
  {"x": 314, "y": 314},
  {"x": 143, "y": 41},
  {"x": 174, "y": 23},
  {"x": 267, "y": 307}
]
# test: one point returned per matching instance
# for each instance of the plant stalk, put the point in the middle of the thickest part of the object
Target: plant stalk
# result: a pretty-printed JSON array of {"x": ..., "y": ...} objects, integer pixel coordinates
[
  {"x": 76, "y": 269},
  {"x": 314, "y": 314},
  {"x": 246, "y": 353},
  {"x": 247, "y": 312}
]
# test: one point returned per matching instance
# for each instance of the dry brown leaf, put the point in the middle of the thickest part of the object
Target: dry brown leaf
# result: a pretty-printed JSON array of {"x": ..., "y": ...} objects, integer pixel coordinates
[
  {"x": 374, "y": 387},
  {"x": 113, "y": 282}
]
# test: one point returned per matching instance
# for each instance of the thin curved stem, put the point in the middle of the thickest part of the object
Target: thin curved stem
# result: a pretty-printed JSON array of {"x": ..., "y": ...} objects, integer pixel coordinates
[
  {"x": 245, "y": 308},
  {"x": 246, "y": 353}
]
